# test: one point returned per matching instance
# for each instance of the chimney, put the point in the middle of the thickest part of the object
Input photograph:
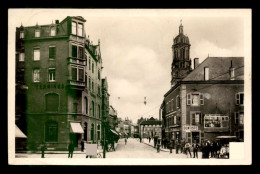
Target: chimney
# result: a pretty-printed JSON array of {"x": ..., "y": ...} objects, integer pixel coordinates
[
  {"x": 231, "y": 72},
  {"x": 57, "y": 21},
  {"x": 196, "y": 62}
]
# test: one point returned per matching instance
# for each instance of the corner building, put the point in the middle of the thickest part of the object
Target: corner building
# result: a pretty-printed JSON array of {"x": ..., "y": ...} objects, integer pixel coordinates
[
  {"x": 61, "y": 106},
  {"x": 205, "y": 102}
]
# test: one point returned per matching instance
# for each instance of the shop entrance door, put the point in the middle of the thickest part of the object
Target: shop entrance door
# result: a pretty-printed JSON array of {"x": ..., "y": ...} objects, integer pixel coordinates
[{"x": 195, "y": 137}]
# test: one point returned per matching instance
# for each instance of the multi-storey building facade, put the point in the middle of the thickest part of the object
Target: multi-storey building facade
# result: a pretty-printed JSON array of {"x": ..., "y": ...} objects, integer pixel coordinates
[
  {"x": 60, "y": 102},
  {"x": 150, "y": 128},
  {"x": 207, "y": 102}
]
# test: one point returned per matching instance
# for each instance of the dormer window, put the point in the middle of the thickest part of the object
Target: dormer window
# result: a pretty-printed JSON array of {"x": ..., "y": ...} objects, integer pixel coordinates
[
  {"x": 37, "y": 33},
  {"x": 74, "y": 28},
  {"x": 53, "y": 31},
  {"x": 22, "y": 35},
  {"x": 80, "y": 29},
  {"x": 206, "y": 73}
]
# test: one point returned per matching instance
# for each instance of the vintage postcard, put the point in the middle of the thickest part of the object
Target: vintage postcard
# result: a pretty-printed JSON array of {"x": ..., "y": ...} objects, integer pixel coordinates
[{"x": 129, "y": 86}]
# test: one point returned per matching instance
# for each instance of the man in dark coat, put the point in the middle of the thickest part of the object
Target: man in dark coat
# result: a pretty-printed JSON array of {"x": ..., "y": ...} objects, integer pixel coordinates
[
  {"x": 43, "y": 148},
  {"x": 177, "y": 146},
  {"x": 71, "y": 149},
  {"x": 195, "y": 149}
]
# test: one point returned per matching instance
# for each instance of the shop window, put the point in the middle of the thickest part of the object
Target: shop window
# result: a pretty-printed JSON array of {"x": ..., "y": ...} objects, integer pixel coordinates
[
  {"x": 52, "y": 102},
  {"x": 52, "y": 74},
  {"x": 240, "y": 98},
  {"x": 36, "y": 54},
  {"x": 36, "y": 75},
  {"x": 52, "y": 52},
  {"x": 51, "y": 131}
]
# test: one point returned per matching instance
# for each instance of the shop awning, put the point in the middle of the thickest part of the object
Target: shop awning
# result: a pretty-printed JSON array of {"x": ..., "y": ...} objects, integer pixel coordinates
[
  {"x": 19, "y": 133},
  {"x": 76, "y": 128},
  {"x": 114, "y": 132},
  {"x": 175, "y": 126},
  {"x": 225, "y": 137}
]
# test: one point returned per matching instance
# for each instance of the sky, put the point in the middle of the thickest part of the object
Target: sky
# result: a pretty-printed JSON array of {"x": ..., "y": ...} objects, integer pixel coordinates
[{"x": 136, "y": 47}]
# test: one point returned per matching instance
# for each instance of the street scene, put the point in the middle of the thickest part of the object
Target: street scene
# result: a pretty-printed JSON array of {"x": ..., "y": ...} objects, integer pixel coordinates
[{"x": 162, "y": 86}]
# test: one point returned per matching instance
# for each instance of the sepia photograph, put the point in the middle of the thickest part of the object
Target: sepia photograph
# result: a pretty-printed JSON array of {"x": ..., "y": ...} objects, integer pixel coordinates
[{"x": 129, "y": 86}]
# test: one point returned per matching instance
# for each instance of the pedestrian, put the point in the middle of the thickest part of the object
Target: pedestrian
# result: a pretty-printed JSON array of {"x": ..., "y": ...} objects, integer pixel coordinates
[
  {"x": 177, "y": 146},
  {"x": 170, "y": 146},
  {"x": 149, "y": 139},
  {"x": 140, "y": 139},
  {"x": 125, "y": 140},
  {"x": 113, "y": 146},
  {"x": 155, "y": 142},
  {"x": 71, "y": 149},
  {"x": 182, "y": 145},
  {"x": 187, "y": 148},
  {"x": 82, "y": 145},
  {"x": 43, "y": 148},
  {"x": 158, "y": 146},
  {"x": 195, "y": 149}
]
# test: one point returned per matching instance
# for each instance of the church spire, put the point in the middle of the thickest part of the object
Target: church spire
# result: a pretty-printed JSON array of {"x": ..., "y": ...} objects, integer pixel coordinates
[{"x": 181, "y": 28}]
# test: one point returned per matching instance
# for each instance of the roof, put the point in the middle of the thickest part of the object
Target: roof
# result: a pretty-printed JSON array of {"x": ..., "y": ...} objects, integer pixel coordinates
[
  {"x": 218, "y": 69},
  {"x": 151, "y": 122}
]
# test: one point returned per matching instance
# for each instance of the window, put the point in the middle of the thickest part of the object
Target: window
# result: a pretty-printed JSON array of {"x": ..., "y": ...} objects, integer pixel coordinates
[
  {"x": 51, "y": 131},
  {"x": 37, "y": 33},
  {"x": 216, "y": 121},
  {"x": 81, "y": 52},
  {"x": 81, "y": 74},
  {"x": 98, "y": 111},
  {"x": 52, "y": 102},
  {"x": 195, "y": 118},
  {"x": 80, "y": 29},
  {"x": 51, "y": 74},
  {"x": 75, "y": 108},
  {"x": 74, "y": 73},
  {"x": 74, "y": 28},
  {"x": 98, "y": 90},
  {"x": 74, "y": 51},
  {"x": 36, "y": 75},
  {"x": 89, "y": 64},
  {"x": 53, "y": 31},
  {"x": 93, "y": 109},
  {"x": 36, "y": 54},
  {"x": 92, "y": 67},
  {"x": 89, "y": 82},
  {"x": 241, "y": 118},
  {"x": 92, "y": 85},
  {"x": 98, "y": 74},
  {"x": 86, "y": 103},
  {"x": 178, "y": 102},
  {"x": 21, "y": 57},
  {"x": 195, "y": 99},
  {"x": 21, "y": 34},
  {"x": 240, "y": 98},
  {"x": 52, "y": 52},
  {"x": 98, "y": 132},
  {"x": 236, "y": 117},
  {"x": 206, "y": 73}
]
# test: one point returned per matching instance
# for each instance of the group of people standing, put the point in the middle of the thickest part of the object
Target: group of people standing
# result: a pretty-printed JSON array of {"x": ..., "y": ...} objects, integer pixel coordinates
[{"x": 210, "y": 149}]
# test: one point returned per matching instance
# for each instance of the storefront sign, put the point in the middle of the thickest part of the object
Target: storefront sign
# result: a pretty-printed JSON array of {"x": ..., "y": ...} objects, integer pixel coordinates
[{"x": 190, "y": 128}]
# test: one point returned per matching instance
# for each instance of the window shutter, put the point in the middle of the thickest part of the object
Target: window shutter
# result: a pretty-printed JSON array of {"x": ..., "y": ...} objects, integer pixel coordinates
[
  {"x": 201, "y": 99},
  {"x": 188, "y": 99},
  {"x": 237, "y": 99},
  {"x": 236, "y": 117}
]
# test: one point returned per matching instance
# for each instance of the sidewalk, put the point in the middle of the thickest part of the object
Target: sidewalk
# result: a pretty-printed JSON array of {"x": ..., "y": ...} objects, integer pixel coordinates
[
  {"x": 145, "y": 141},
  {"x": 77, "y": 151}
]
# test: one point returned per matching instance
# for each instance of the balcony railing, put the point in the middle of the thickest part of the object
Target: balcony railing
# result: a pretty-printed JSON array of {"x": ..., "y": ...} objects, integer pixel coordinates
[
  {"x": 77, "y": 61},
  {"x": 77, "y": 83}
]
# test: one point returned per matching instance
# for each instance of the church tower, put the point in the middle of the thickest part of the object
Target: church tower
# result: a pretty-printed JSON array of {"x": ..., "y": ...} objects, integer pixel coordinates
[{"x": 181, "y": 64}]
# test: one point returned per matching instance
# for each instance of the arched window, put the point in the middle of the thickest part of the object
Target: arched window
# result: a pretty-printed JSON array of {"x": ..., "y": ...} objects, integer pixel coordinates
[
  {"x": 51, "y": 131},
  {"x": 86, "y": 104},
  {"x": 52, "y": 102}
]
